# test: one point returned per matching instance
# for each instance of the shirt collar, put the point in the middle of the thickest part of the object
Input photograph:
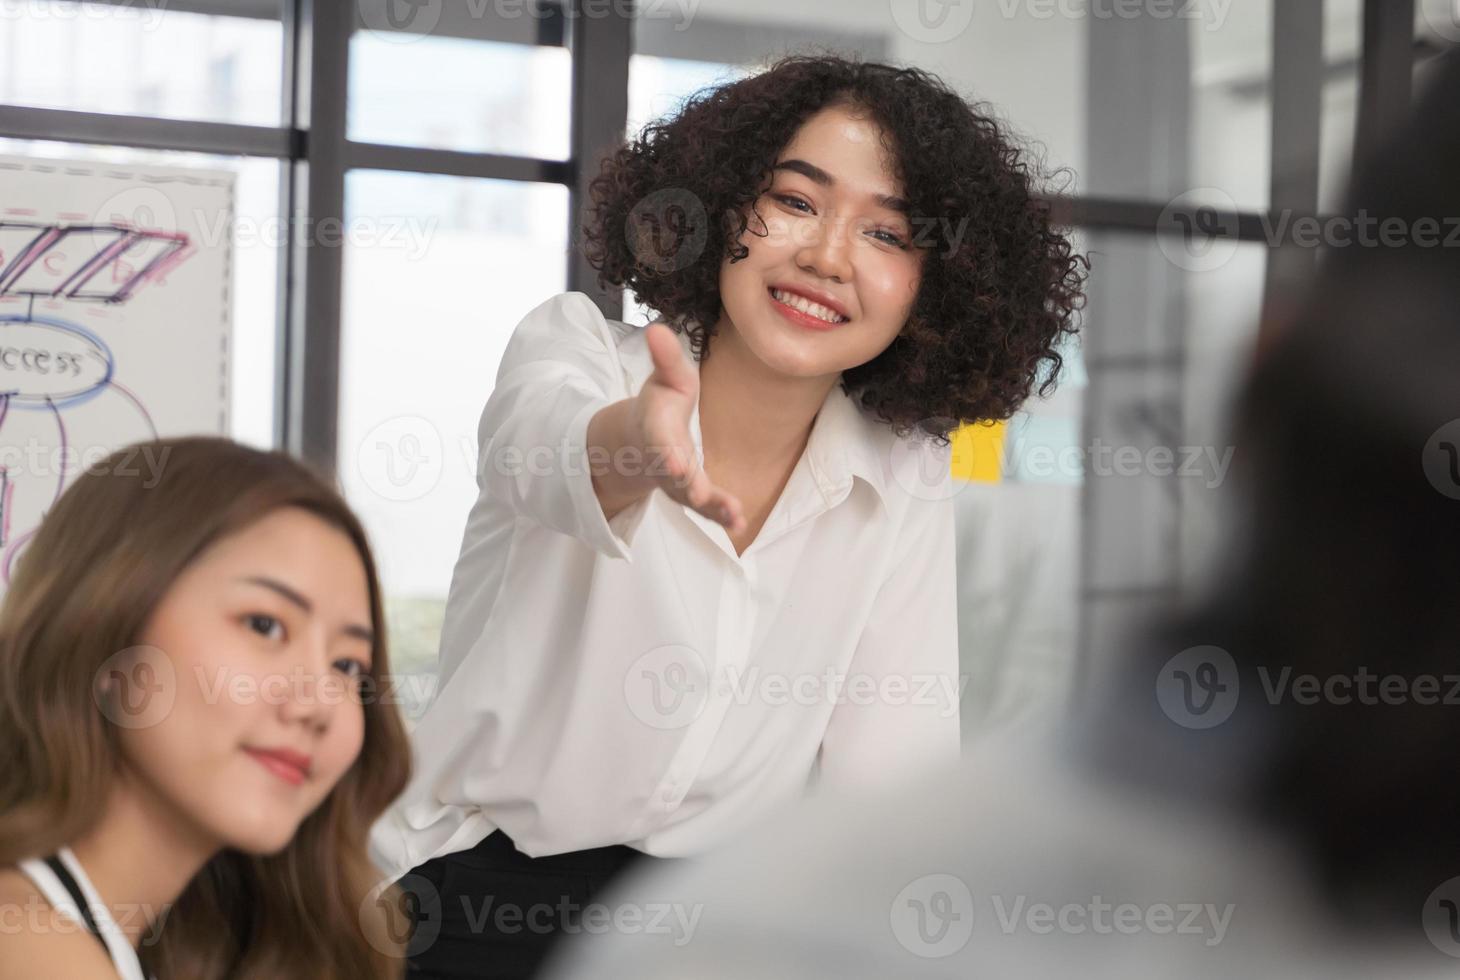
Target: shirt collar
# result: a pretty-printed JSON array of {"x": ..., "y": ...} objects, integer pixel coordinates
[{"x": 844, "y": 442}]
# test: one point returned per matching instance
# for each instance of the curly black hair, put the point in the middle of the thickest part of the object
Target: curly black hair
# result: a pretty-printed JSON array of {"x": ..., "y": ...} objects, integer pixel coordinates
[{"x": 1000, "y": 284}]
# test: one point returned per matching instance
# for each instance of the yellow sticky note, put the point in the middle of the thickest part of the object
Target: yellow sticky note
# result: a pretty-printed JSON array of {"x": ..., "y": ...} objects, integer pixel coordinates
[{"x": 978, "y": 451}]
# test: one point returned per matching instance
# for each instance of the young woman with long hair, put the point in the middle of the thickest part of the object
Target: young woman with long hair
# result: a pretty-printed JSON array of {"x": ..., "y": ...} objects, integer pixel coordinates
[{"x": 190, "y": 657}]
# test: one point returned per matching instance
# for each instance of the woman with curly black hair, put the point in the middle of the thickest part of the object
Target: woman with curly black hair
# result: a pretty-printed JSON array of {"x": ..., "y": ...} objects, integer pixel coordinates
[{"x": 848, "y": 261}]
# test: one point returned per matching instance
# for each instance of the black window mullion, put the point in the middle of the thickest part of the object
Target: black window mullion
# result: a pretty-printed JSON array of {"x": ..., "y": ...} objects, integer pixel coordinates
[
  {"x": 601, "y": 47},
  {"x": 311, "y": 383}
]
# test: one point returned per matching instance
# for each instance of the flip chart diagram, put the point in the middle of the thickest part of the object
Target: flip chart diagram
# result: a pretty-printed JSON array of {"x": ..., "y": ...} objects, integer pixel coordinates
[{"x": 115, "y": 287}]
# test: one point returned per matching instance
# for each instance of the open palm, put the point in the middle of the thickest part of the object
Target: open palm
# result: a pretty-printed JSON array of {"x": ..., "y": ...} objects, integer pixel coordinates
[{"x": 660, "y": 422}]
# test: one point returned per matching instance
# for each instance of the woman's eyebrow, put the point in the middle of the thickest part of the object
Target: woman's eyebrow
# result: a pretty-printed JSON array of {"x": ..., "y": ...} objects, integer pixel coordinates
[
  {"x": 811, "y": 170},
  {"x": 352, "y": 629}
]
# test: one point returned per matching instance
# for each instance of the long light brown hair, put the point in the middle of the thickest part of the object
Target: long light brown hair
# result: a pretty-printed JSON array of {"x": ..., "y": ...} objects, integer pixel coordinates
[{"x": 105, "y": 554}]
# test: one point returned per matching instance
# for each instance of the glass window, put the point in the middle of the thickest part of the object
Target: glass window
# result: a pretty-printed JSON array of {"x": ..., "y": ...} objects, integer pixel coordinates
[
  {"x": 657, "y": 86},
  {"x": 1343, "y": 39},
  {"x": 438, "y": 273},
  {"x": 1183, "y": 99},
  {"x": 457, "y": 93},
  {"x": 140, "y": 59}
]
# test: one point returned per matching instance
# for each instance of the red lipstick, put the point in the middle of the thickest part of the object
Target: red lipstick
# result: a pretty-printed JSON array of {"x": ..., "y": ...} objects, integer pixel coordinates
[{"x": 291, "y": 766}]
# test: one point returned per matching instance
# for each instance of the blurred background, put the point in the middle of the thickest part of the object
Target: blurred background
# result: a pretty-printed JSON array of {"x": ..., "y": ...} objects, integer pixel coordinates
[{"x": 453, "y": 140}]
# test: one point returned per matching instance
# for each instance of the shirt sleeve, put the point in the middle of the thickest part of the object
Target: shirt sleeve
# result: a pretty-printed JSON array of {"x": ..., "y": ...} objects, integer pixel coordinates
[
  {"x": 897, "y": 713},
  {"x": 559, "y": 368}
]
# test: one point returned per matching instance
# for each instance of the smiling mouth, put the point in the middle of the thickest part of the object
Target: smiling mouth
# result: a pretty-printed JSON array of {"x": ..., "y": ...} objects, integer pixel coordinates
[
  {"x": 286, "y": 770},
  {"x": 806, "y": 308}
]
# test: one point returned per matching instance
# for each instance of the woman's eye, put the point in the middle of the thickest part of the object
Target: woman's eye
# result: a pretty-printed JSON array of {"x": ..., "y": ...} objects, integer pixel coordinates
[
  {"x": 789, "y": 199},
  {"x": 351, "y": 667},
  {"x": 263, "y": 623},
  {"x": 893, "y": 239}
]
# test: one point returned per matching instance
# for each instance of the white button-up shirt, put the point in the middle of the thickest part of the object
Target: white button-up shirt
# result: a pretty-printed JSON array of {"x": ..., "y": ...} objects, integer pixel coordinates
[{"x": 635, "y": 681}]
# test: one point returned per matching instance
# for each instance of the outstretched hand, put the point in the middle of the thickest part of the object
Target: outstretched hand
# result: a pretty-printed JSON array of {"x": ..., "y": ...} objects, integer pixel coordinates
[{"x": 658, "y": 422}]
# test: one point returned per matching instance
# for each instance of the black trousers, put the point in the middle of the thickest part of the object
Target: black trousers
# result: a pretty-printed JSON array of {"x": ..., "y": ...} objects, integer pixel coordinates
[{"x": 493, "y": 912}]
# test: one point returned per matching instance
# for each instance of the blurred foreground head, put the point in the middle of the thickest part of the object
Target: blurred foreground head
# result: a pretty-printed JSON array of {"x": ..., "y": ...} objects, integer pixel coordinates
[{"x": 1319, "y": 686}]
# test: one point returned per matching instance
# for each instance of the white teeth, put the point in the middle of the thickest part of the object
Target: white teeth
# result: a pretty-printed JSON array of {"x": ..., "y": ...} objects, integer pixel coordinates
[{"x": 806, "y": 306}]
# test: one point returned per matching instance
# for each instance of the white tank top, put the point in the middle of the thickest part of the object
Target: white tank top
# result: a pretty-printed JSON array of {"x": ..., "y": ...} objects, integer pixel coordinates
[{"x": 65, "y": 885}]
